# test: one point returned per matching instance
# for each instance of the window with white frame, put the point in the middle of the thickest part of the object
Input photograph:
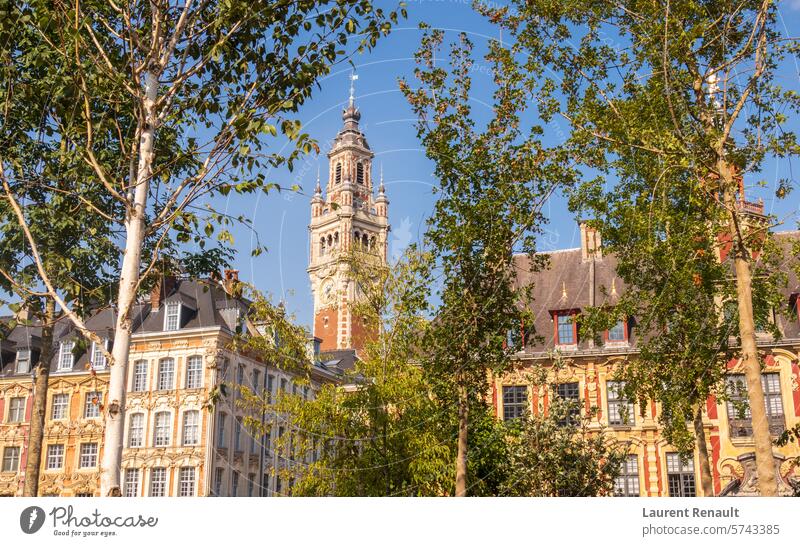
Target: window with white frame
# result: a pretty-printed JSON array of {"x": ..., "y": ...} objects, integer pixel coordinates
[
  {"x": 98, "y": 358},
  {"x": 55, "y": 456},
  {"x": 194, "y": 372},
  {"x": 16, "y": 410},
  {"x": 256, "y": 380},
  {"x": 88, "y": 456},
  {"x": 627, "y": 483},
  {"x": 186, "y": 482},
  {"x": 172, "y": 317},
  {"x": 166, "y": 374},
  {"x": 221, "y": 430},
  {"x": 91, "y": 408},
  {"x": 11, "y": 459},
  {"x": 620, "y": 409},
  {"x": 161, "y": 429},
  {"x": 618, "y": 333},
  {"x": 139, "y": 376},
  {"x": 191, "y": 427},
  {"x": 65, "y": 357},
  {"x": 60, "y": 405},
  {"x": 136, "y": 430},
  {"x": 158, "y": 482},
  {"x": 240, "y": 375},
  {"x": 130, "y": 487},
  {"x": 23, "y": 361},
  {"x": 680, "y": 476}
]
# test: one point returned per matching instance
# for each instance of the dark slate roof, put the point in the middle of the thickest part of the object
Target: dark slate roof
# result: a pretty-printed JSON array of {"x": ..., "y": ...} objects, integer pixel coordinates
[
  {"x": 343, "y": 359},
  {"x": 202, "y": 303},
  {"x": 23, "y": 336},
  {"x": 565, "y": 284}
]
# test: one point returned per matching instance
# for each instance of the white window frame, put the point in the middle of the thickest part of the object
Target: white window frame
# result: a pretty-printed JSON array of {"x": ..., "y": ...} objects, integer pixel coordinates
[
  {"x": 161, "y": 483},
  {"x": 195, "y": 375},
  {"x": 88, "y": 405},
  {"x": 178, "y": 308},
  {"x": 10, "y": 462},
  {"x": 136, "y": 434},
  {"x": 194, "y": 428},
  {"x": 135, "y": 386},
  {"x": 160, "y": 440},
  {"x": 171, "y": 374},
  {"x": 98, "y": 358},
  {"x": 61, "y": 403},
  {"x": 130, "y": 486},
  {"x": 88, "y": 455},
  {"x": 16, "y": 414},
  {"x": 23, "y": 355},
  {"x": 63, "y": 353},
  {"x": 55, "y": 456},
  {"x": 187, "y": 481}
]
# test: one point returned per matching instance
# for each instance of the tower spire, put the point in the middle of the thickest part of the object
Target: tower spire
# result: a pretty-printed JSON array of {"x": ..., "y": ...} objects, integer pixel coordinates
[{"x": 353, "y": 78}]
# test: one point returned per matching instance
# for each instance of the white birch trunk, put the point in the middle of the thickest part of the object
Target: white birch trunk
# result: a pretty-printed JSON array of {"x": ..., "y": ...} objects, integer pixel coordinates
[{"x": 128, "y": 283}]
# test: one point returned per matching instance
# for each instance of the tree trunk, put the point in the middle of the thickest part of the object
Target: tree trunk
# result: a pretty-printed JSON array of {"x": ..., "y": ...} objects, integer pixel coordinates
[
  {"x": 39, "y": 411},
  {"x": 461, "y": 456},
  {"x": 702, "y": 452},
  {"x": 765, "y": 463},
  {"x": 128, "y": 283}
]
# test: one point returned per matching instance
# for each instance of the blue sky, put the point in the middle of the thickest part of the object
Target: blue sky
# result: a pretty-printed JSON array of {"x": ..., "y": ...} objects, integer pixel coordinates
[{"x": 281, "y": 220}]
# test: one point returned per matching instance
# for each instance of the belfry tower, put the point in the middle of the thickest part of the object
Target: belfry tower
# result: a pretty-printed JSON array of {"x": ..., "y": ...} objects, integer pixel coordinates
[{"x": 348, "y": 217}]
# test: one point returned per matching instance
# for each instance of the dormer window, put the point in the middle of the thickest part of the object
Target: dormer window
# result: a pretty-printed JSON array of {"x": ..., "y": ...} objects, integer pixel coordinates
[
  {"x": 98, "y": 358},
  {"x": 618, "y": 333},
  {"x": 566, "y": 328},
  {"x": 65, "y": 357},
  {"x": 23, "y": 361},
  {"x": 172, "y": 316}
]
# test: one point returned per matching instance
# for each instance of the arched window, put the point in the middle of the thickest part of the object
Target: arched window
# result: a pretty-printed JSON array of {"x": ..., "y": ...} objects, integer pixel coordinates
[
  {"x": 372, "y": 243},
  {"x": 336, "y": 240},
  {"x": 365, "y": 241},
  {"x": 359, "y": 173},
  {"x": 356, "y": 239},
  {"x": 161, "y": 430},
  {"x": 322, "y": 246},
  {"x": 338, "y": 172}
]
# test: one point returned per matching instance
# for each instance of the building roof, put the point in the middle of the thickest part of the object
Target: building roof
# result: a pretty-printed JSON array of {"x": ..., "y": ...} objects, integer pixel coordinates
[{"x": 570, "y": 283}]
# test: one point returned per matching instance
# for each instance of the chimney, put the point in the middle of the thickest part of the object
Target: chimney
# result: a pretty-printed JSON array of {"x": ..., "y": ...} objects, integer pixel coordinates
[
  {"x": 163, "y": 288},
  {"x": 591, "y": 243},
  {"x": 231, "y": 280}
]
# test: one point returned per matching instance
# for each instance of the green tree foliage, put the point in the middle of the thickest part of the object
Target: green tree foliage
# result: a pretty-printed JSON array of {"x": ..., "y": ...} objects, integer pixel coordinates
[
  {"x": 556, "y": 455},
  {"x": 167, "y": 105},
  {"x": 678, "y": 101},
  {"x": 492, "y": 183},
  {"x": 378, "y": 432}
]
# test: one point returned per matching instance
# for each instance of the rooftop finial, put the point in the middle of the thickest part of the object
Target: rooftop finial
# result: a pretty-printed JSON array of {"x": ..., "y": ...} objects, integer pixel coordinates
[
  {"x": 353, "y": 78},
  {"x": 381, "y": 188},
  {"x": 318, "y": 188}
]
